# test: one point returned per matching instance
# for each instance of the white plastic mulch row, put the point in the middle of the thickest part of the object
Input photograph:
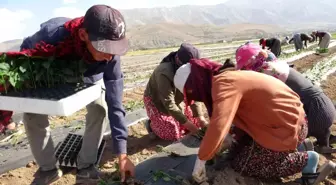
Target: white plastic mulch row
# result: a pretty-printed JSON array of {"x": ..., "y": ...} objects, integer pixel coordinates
[
  {"x": 301, "y": 55},
  {"x": 321, "y": 70}
]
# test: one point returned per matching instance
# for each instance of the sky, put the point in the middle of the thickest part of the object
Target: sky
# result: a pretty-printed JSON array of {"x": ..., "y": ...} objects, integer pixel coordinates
[{"x": 21, "y": 18}]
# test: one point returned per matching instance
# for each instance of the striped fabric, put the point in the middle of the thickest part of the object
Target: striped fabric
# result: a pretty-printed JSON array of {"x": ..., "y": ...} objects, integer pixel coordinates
[{"x": 321, "y": 114}]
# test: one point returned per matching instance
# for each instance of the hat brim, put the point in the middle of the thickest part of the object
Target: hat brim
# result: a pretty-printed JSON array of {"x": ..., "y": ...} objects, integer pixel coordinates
[{"x": 112, "y": 47}]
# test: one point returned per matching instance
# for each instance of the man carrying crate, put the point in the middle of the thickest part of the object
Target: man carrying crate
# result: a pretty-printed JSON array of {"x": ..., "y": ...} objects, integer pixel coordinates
[{"x": 99, "y": 39}]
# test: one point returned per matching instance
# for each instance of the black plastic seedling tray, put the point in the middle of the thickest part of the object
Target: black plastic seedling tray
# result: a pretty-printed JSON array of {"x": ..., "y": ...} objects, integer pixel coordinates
[
  {"x": 54, "y": 93},
  {"x": 67, "y": 151}
]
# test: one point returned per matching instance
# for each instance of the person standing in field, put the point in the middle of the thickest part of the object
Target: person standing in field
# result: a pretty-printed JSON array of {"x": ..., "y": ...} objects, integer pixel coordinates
[
  {"x": 324, "y": 40},
  {"x": 320, "y": 110},
  {"x": 265, "y": 109},
  {"x": 99, "y": 39},
  {"x": 162, "y": 101},
  {"x": 273, "y": 44},
  {"x": 300, "y": 41}
]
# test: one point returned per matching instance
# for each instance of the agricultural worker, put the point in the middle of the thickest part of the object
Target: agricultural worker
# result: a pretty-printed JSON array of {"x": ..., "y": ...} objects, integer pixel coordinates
[
  {"x": 319, "y": 108},
  {"x": 162, "y": 101},
  {"x": 285, "y": 41},
  {"x": 324, "y": 39},
  {"x": 273, "y": 44},
  {"x": 298, "y": 40},
  {"x": 270, "y": 114},
  {"x": 99, "y": 39}
]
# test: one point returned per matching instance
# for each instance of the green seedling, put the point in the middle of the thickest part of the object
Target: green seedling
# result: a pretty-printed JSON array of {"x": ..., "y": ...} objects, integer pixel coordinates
[{"x": 33, "y": 72}]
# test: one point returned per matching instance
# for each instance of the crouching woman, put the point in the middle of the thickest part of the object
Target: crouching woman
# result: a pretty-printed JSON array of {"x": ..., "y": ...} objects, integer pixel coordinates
[
  {"x": 319, "y": 108},
  {"x": 162, "y": 101},
  {"x": 268, "y": 111}
]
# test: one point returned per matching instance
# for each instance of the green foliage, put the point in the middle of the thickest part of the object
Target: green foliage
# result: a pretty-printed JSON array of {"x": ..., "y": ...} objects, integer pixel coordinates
[{"x": 32, "y": 72}]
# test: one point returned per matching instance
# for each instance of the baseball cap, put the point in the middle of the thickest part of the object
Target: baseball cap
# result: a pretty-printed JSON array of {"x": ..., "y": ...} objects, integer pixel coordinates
[
  {"x": 107, "y": 29},
  {"x": 245, "y": 53},
  {"x": 186, "y": 52}
]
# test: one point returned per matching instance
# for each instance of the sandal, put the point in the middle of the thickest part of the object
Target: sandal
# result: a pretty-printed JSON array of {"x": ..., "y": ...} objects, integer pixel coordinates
[
  {"x": 307, "y": 178},
  {"x": 319, "y": 176}
]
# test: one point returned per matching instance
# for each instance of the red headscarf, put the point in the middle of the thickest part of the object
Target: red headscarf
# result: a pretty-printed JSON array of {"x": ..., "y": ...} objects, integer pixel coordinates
[
  {"x": 72, "y": 47},
  {"x": 200, "y": 81}
]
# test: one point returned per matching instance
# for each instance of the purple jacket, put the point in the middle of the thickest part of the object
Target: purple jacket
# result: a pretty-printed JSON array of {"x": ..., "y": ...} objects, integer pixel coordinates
[{"x": 51, "y": 32}]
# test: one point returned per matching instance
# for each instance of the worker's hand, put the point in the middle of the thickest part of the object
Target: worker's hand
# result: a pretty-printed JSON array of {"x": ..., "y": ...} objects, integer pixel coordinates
[
  {"x": 202, "y": 121},
  {"x": 191, "y": 127},
  {"x": 199, "y": 172},
  {"x": 126, "y": 167}
]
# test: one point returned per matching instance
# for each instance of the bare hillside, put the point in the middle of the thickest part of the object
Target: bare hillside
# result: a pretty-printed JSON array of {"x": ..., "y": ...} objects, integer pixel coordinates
[{"x": 163, "y": 35}]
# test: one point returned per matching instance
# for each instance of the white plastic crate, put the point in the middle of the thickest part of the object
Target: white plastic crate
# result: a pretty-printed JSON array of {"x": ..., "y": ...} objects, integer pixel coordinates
[{"x": 64, "y": 104}]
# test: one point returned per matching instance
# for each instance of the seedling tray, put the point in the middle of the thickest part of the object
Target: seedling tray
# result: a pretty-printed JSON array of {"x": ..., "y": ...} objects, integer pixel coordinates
[
  {"x": 62, "y": 100},
  {"x": 67, "y": 151}
]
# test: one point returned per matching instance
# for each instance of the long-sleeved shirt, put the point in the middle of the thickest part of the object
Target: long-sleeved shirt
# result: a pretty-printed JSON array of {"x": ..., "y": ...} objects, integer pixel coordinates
[
  {"x": 165, "y": 97},
  {"x": 304, "y": 38},
  {"x": 320, "y": 35},
  {"x": 261, "y": 105},
  {"x": 269, "y": 43},
  {"x": 53, "y": 32}
]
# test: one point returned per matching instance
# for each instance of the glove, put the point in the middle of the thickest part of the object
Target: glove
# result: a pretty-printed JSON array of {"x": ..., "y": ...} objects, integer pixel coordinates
[{"x": 199, "y": 172}]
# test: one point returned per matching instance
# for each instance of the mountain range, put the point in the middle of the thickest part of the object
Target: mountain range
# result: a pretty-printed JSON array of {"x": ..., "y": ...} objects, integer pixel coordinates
[{"x": 234, "y": 19}]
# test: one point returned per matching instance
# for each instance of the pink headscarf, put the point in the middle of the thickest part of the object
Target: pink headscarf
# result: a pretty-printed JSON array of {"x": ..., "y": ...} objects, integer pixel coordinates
[{"x": 251, "y": 57}]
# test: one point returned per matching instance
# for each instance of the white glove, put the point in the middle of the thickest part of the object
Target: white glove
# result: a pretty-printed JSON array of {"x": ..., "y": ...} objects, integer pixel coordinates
[{"x": 199, "y": 172}]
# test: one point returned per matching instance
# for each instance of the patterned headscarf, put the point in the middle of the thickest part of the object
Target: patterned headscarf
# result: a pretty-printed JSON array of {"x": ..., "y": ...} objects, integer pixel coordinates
[{"x": 251, "y": 57}]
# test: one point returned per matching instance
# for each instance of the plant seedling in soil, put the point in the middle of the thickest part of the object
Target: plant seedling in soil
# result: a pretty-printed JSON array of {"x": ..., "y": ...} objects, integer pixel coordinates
[{"x": 166, "y": 177}]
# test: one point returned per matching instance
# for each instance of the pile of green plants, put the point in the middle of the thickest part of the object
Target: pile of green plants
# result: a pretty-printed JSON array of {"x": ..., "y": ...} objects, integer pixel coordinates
[{"x": 35, "y": 72}]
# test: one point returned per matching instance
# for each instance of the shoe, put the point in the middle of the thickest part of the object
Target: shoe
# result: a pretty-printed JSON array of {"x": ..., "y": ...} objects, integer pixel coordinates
[
  {"x": 325, "y": 150},
  {"x": 89, "y": 175},
  {"x": 46, "y": 177}
]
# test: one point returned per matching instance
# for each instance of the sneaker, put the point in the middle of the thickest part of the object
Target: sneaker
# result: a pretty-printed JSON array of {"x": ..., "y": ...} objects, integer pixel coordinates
[
  {"x": 46, "y": 177},
  {"x": 87, "y": 175}
]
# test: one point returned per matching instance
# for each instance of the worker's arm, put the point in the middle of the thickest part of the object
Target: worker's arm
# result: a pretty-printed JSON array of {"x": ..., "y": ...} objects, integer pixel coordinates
[
  {"x": 167, "y": 97},
  {"x": 305, "y": 43},
  {"x": 226, "y": 100}
]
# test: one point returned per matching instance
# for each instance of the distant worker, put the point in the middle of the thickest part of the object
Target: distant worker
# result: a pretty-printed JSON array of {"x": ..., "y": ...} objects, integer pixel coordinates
[
  {"x": 285, "y": 41},
  {"x": 298, "y": 40},
  {"x": 273, "y": 44},
  {"x": 324, "y": 39}
]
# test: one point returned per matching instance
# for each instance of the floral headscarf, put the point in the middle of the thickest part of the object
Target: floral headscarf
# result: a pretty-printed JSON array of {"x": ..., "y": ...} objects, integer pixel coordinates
[{"x": 251, "y": 57}]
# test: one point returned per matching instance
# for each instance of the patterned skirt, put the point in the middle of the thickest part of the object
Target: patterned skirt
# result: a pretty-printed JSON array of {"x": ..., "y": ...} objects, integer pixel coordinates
[
  {"x": 165, "y": 126},
  {"x": 256, "y": 161}
]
